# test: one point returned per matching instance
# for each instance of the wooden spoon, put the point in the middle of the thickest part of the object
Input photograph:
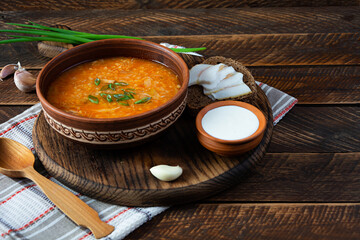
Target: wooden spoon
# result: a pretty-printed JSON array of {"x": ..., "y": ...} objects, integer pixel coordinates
[{"x": 17, "y": 161}]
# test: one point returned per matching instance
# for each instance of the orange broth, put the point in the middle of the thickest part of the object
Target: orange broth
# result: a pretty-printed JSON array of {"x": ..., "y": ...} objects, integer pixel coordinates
[{"x": 134, "y": 86}]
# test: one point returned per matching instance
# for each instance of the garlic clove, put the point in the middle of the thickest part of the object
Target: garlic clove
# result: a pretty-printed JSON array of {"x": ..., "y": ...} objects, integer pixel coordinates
[
  {"x": 24, "y": 80},
  {"x": 166, "y": 173},
  {"x": 8, "y": 70}
]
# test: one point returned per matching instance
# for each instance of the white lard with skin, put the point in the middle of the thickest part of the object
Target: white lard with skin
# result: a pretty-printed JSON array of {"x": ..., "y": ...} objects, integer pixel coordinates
[
  {"x": 230, "y": 122},
  {"x": 219, "y": 81}
]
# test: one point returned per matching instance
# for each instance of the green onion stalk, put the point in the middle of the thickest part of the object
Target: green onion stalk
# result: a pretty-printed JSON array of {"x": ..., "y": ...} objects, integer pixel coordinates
[{"x": 39, "y": 32}]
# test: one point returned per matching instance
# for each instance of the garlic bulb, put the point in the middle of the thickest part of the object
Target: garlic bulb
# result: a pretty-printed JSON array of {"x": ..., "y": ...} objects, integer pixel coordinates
[
  {"x": 8, "y": 70},
  {"x": 166, "y": 173},
  {"x": 24, "y": 80}
]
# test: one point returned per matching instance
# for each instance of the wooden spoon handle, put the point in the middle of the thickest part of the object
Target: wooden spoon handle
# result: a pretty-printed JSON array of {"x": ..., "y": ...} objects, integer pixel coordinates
[{"x": 72, "y": 206}]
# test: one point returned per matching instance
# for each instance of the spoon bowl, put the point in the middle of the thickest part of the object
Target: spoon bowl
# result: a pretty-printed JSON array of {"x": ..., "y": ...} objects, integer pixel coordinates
[
  {"x": 14, "y": 158},
  {"x": 16, "y": 161}
]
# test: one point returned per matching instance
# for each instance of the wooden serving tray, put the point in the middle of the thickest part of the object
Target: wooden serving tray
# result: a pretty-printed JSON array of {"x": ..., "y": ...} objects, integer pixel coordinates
[{"x": 123, "y": 177}]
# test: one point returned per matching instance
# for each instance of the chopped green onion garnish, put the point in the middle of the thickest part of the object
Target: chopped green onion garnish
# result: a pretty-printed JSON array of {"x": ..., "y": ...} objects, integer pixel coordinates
[
  {"x": 93, "y": 99},
  {"x": 124, "y": 98},
  {"x": 129, "y": 94},
  {"x": 118, "y": 96},
  {"x": 109, "y": 98},
  {"x": 97, "y": 81},
  {"x": 131, "y": 90},
  {"x": 121, "y": 83},
  {"x": 104, "y": 95},
  {"x": 111, "y": 86},
  {"x": 124, "y": 103},
  {"x": 104, "y": 88},
  {"x": 144, "y": 100}
]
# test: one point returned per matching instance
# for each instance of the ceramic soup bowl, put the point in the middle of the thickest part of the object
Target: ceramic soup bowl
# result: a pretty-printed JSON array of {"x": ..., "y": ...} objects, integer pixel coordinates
[{"x": 113, "y": 132}]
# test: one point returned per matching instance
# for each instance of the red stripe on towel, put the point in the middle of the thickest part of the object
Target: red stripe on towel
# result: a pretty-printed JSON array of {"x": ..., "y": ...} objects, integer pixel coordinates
[
  {"x": 29, "y": 223},
  {"x": 17, "y": 193},
  {"x": 285, "y": 110},
  {"x": 13, "y": 126},
  {"x": 118, "y": 214}
]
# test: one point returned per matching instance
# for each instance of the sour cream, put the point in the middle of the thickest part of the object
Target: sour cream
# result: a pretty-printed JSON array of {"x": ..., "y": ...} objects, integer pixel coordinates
[{"x": 230, "y": 122}]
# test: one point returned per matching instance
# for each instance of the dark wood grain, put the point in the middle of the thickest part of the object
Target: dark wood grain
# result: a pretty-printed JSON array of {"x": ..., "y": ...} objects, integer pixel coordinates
[
  {"x": 255, "y": 221},
  {"x": 7, "y": 112},
  {"x": 277, "y": 49},
  {"x": 123, "y": 177},
  {"x": 315, "y": 84},
  {"x": 156, "y": 4},
  {"x": 318, "y": 129},
  {"x": 16, "y": 5},
  {"x": 256, "y": 50},
  {"x": 225, "y": 32},
  {"x": 299, "y": 177},
  {"x": 198, "y": 21}
]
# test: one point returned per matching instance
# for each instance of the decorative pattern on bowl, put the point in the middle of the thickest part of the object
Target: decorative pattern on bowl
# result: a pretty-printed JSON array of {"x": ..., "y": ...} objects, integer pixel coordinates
[{"x": 123, "y": 136}]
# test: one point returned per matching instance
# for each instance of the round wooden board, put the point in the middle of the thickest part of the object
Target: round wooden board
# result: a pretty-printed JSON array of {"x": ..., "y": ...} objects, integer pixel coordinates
[{"x": 123, "y": 177}]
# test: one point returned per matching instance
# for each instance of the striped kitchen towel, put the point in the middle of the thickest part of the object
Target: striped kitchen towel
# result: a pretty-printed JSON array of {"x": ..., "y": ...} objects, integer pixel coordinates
[
  {"x": 26, "y": 213},
  {"x": 280, "y": 102}
]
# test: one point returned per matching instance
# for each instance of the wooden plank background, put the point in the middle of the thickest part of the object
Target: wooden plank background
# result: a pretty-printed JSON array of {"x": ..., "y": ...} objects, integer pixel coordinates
[
  {"x": 308, "y": 184},
  {"x": 16, "y": 5},
  {"x": 259, "y": 221}
]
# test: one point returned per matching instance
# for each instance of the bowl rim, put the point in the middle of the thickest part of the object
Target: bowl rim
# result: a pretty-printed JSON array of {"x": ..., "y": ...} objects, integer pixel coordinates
[
  {"x": 259, "y": 114},
  {"x": 80, "y": 47}
]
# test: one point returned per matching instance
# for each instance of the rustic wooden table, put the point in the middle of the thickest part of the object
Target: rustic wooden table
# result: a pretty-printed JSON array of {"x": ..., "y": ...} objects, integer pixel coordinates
[{"x": 308, "y": 184}]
